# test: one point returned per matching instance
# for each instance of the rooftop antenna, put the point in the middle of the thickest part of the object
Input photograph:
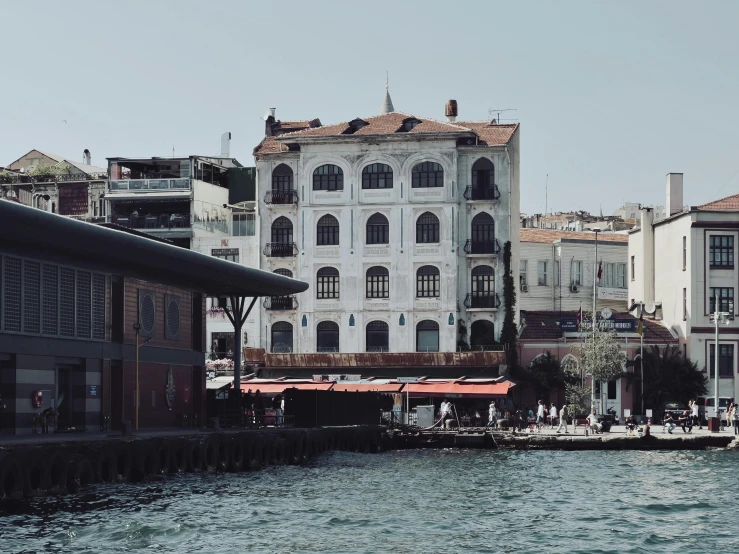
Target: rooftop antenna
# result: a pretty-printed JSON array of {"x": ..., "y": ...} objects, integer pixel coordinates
[
  {"x": 496, "y": 112},
  {"x": 546, "y": 194},
  {"x": 173, "y": 151}
]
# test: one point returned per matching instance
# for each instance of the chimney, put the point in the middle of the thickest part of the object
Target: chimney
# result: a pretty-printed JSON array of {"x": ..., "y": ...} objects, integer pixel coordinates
[
  {"x": 451, "y": 110},
  {"x": 269, "y": 119},
  {"x": 272, "y": 111},
  {"x": 226, "y": 145},
  {"x": 674, "y": 204},
  {"x": 86, "y": 157}
]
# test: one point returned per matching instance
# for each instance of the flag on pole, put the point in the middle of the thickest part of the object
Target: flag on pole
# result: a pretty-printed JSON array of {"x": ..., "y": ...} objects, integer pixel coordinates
[
  {"x": 579, "y": 318},
  {"x": 640, "y": 327},
  {"x": 600, "y": 270}
]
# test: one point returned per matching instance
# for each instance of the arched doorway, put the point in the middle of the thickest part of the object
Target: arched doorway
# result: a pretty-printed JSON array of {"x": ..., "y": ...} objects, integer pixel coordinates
[{"x": 482, "y": 334}]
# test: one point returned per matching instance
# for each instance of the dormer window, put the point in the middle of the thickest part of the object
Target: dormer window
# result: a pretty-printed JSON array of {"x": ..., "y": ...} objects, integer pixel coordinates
[
  {"x": 355, "y": 126},
  {"x": 408, "y": 124}
]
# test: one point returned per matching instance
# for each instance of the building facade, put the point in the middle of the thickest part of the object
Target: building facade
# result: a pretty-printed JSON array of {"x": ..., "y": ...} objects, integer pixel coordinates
[
  {"x": 557, "y": 269},
  {"x": 679, "y": 265},
  {"x": 396, "y": 222}
]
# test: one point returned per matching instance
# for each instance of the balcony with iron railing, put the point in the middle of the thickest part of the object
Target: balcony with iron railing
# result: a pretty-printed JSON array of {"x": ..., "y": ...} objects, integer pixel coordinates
[
  {"x": 482, "y": 301},
  {"x": 281, "y": 197},
  {"x": 483, "y": 247},
  {"x": 490, "y": 193},
  {"x": 280, "y": 249},
  {"x": 280, "y": 303}
]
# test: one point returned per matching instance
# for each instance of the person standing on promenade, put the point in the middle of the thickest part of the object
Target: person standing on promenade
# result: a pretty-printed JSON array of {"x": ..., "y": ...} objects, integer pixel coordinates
[
  {"x": 562, "y": 418},
  {"x": 686, "y": 421},
  {"x": 696, "y": 416},
  {"x": 552, "y": 415},
  {"x": 540, "y": 416},
  {"x": 736, "y": 421},
  {"x": 730, "y": 412},
  {"x": 492, "y": 415}
]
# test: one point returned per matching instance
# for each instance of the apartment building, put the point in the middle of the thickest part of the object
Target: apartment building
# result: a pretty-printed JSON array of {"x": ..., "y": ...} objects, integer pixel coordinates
[
  {"x": 397, "y": 222},
  {"x": 680, "y": 265}
]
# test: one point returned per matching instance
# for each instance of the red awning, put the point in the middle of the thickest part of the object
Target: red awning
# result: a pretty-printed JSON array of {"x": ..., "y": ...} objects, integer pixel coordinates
[
  {"x": 368, "y": 387},
  {"x": 277, "y": 387},
  {"x": 458, "y": 389}
]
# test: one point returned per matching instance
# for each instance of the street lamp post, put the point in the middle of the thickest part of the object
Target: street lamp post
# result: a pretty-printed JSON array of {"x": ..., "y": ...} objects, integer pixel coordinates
[
  {"x": 719, "y": 317},
  {"x": 595, "y": 306},
  {"x": 137, "y": 328}
]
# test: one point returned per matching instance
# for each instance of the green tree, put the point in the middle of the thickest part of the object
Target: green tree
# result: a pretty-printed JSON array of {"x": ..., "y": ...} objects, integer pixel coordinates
[
  {"x": 577, "y": 396},
  {"x": 601, "y": 353},
  {"x": 508, "y": 332},
  {"x": 668, "y": 377}
]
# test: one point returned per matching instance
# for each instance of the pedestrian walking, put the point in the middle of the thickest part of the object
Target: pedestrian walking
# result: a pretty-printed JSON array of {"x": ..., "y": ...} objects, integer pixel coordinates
[
  {"x": 552, "y": 415},
  {"x": 736, "y": 421},
  {"x": 562, "y": 418},
  {"x": 540, "y": 416},
  {"x": 492, "y": 415},
  {"x": 696, "y": 415}
]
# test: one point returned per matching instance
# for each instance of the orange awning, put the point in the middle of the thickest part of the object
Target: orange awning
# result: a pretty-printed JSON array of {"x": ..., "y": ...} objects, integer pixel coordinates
[
  {"x": 458, "y": 389},
  {"x": 278, "y": 387},
  {"x": 368, "y": 387}
]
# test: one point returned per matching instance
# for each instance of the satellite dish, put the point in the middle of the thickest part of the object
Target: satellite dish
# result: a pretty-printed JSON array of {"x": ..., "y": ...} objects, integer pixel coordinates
[{"x": 650, "y": 307}]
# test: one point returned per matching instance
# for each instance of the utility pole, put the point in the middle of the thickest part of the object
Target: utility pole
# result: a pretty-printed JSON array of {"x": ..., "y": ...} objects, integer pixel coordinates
[{"x": 595, "y": 305}]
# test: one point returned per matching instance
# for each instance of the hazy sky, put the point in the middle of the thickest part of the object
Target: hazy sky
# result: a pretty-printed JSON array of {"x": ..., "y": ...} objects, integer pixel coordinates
[{"x": 610, "y": 96}]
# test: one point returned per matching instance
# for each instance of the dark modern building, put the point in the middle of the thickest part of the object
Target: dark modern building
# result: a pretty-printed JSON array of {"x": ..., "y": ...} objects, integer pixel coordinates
[{"x": 75, "y": 299}]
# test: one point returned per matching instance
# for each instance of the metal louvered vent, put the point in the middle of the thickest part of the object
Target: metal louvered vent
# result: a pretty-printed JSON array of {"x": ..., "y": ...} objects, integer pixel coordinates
[
  {"x": 146, "y": 312},
  {"x": 12, "y": 297},
  {"x": 31, "y": 297},
  {"x": 66, "y": 302},
  {"x": 172, "y": 317},
  {"x": 84, "y": 308},
  {"x": 98, "y": 306},
  {"x": 50, "y": 300}
]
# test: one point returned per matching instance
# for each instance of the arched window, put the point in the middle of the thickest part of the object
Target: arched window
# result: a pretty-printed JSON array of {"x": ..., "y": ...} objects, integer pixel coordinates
[
  {"x": 282, "y": 337},
  {"x": 378, "y": 336},
  {"x": 327, "y": 284},
  {"x": 328, "y": 177},
  {"x": 571, "y": 366},
  {"x": 482, "y": 334},
  {"x": 427, "y": 282},
  {"x": 377, "y": 176},
  {"x": 378, "y": 229},
  {"x": 483, "y": 174},
  {"x": 281, "y": 302},
  {"x": 328, "y": 231},
  {"x": 427, "y": 175},
  {"x": 282, "y": 237},
  {"x": 483, "y": 281},
  {"x": 427, "y": 228},
  {"x": 327, "y": 337},
  {"x": 427, "y": 336},
  {"x": 282, "y": 179},
  {"x": 483, "y": 235},
  {"x": 284, "y": 272},
  {"x": 378, "y": 282}
]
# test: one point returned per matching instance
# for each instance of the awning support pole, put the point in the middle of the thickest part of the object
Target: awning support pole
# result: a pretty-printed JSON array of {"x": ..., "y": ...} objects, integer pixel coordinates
[{"x": 238, "y": 319}]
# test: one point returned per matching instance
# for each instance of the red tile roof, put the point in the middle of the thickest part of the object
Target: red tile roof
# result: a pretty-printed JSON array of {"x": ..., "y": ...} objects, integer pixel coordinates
[
  {"x": 728, "y": 204},
  {"x": 548, "y": 236},
  {"x": 488, "y": 133},
  {"x": 544, "y": 325}
]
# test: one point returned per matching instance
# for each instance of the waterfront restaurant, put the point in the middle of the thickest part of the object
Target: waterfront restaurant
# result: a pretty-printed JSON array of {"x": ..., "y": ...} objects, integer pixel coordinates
[{"x": 88, "y": 313}]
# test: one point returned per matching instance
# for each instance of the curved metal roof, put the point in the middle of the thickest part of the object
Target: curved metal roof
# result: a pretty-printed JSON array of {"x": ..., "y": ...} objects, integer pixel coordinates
[{"x": 33, "y": 231}]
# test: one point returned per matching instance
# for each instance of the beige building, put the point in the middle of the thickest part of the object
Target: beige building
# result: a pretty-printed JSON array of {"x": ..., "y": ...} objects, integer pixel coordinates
[{"x": 680, "y": 264}]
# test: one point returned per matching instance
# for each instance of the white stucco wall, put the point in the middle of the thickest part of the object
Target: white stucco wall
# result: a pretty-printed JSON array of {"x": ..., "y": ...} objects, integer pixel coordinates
[{"x": 402, "y": 205}]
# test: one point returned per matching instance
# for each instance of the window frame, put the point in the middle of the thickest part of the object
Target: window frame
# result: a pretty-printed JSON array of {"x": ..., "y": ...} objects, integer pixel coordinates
[
  {"x": 328, "y": 329},
  {"x": 428, "y": 282},
  {"x": 377, "y": 328},
  {"x": 725, "y": 362},
  {"x": 374, "y": 179},
  {"x": 430, "y": 326},
  {"x": 542, "y": 276},
  {"x": 328, "y": 281},
  {"x": 424, "y": 174},
  {"x": 523, "y": 272},
  {"x": 327, "y": 231},
  {"x": 633, "y": 268},
  {"x": 328, "y": 180},
  {"x": 277, "y": 231},
  {"x": 685, "y": 252},
  {"x": 576, "y": 276},
  {"x": 722, "y": 299},
  {"x": 377, "y": 282},
  {"x": 272, "y": 332},
  {"x": 282, "y": 181},
  {"x": 374, "y": 230},
  {"x": 488, "y": 174},
  {"x": 428, "y": 229},
  {"x": 721, "y": 251}
]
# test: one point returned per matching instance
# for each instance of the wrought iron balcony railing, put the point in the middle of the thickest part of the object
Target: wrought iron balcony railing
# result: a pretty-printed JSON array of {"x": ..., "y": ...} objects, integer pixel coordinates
[
  {"x": 482, "y": 246},
  {"x": 482, "y": 193},
  {"x": 281, "y": 197},
  {"x": 482, "y": 301},
  {"x": 280, "y": 249},
  {"x": 280, "y": 303}
]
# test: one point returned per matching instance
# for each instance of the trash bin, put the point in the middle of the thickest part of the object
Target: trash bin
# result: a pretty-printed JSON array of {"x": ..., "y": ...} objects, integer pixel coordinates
[{"x": 714, "y": 424}]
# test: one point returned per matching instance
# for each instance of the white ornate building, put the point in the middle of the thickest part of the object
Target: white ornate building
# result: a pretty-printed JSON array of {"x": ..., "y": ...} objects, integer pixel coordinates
[{"x": 397, "y": 222}]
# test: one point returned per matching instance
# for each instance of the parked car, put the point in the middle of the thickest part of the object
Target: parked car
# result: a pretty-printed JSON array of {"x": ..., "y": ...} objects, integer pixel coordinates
[
  {"x": 706, "y": 407},
  {"x": 675, "y": 409}
]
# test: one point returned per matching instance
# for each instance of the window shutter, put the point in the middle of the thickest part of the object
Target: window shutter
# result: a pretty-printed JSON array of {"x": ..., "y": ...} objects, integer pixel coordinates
[
  {"x": 147, "y": 313},
  {"x": 31, "y": 297},
  {"x": 171, "y": 317},
  {"x": 12, "y": 296}
]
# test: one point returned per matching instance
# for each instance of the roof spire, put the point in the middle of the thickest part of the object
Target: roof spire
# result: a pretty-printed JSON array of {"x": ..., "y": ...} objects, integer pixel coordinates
[{"x": 387, "y": 103}]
